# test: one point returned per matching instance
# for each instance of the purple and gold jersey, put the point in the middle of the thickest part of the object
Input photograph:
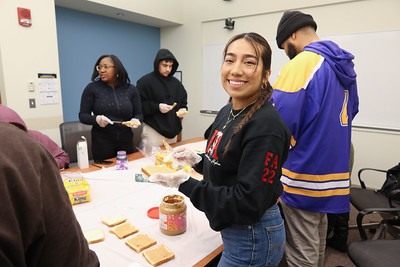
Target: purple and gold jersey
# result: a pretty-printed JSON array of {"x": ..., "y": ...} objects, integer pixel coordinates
[{"x": 316, "y": 95}]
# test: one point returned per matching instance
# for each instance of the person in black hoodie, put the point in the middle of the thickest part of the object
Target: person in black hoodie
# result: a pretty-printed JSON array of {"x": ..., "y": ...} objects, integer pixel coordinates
[
  {"x": 242, "y": 163},
  {"x": 159, "y": 91}
]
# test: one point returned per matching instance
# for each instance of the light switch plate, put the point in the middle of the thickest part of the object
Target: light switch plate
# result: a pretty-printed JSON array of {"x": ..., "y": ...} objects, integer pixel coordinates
[
  {"x": 32, "y": 103},
  {"x": 31, "y": 87}
]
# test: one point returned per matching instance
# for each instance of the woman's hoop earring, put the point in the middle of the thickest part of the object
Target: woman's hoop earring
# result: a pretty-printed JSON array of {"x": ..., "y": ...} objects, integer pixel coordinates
[{"x": 264, "y": 86}]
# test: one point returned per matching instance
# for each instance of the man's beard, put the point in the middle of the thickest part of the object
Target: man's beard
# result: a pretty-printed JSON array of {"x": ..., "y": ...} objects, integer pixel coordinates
[{"x": 291, "y": 51}]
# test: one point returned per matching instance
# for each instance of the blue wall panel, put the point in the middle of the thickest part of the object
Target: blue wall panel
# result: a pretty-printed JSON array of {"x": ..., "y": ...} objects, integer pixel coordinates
[{"x": 84, "y": 37}]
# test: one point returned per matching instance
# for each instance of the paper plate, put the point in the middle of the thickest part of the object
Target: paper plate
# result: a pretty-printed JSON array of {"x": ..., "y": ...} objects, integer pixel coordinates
[{"x": 153, "y": 213}]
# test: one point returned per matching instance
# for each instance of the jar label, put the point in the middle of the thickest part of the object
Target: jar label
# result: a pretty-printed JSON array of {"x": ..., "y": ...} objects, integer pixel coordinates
[
  {"x": 122, "y": 164},
  {"x": 173, "y": 222}
]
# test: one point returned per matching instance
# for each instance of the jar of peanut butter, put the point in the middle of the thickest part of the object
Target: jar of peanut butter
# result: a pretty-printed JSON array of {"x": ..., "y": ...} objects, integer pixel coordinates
[{"x": 173, "y": 215}]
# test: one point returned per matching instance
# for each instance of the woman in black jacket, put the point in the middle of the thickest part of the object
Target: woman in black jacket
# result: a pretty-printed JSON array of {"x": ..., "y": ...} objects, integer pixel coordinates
[{"x": 110, "y": 97}]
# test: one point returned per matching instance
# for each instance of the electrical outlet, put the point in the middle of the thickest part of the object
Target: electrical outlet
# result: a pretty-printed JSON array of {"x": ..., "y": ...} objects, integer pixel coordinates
[{"x": 32, "y": 103}]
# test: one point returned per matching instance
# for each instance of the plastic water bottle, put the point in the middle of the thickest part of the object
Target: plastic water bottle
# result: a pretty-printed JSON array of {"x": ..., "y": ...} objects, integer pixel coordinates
[
  {"x": 122, "y": 160},
  {"x": 82, "y": 153}
]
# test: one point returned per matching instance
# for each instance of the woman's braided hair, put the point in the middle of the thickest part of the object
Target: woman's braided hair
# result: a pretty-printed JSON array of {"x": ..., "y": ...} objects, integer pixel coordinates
[{"x": 263, "y": 50}]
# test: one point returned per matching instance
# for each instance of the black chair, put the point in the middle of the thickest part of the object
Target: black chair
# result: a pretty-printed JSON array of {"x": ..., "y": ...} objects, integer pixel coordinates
[
  {"x": 376, "y": 253},
  {"x": 70, "y": 133},
  {"x": 369, "y": 201}
]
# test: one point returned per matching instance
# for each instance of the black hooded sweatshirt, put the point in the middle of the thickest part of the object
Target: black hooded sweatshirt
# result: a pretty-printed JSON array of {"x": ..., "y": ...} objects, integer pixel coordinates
[{"x": 154, "y": 89}]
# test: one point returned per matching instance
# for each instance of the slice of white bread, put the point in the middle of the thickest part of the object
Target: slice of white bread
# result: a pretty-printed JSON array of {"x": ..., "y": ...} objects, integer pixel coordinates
[
  {"x": 167, "y": 146},
  {"x": 130, "y": 123},
  {"x": 180, "y": 113},
  {"x": 94, "y": 235},
  {"x": 158, "y": 255},
  {"x": 140, "y": 242},
  {"x": 151, "y": 169},
  {"x": 123, "y": 230},
  {"x": 114, "y": 219}
]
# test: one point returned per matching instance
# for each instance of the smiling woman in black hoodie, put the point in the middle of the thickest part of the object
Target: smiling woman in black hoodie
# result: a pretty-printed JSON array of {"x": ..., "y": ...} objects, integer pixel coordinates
[
  {"x": 159, "y": 91},
  {"x": 242, "y": 162}
]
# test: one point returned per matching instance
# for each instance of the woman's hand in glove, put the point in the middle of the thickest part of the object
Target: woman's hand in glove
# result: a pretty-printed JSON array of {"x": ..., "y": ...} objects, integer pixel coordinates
[
  {"x": 133, "y": 123},
  {"x": 103, "y": 120},
  {"x": 170, "y": 179},
  {"x": 182, "y": 156}
]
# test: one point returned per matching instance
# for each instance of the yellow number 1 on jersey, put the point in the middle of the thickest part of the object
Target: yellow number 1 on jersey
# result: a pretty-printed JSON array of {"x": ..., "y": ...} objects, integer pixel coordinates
[{"x": 344, "y": 118}]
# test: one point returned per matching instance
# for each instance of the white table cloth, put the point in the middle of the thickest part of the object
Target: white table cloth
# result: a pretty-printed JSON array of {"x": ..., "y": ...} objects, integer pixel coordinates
[{"x": 115, "y": 191}]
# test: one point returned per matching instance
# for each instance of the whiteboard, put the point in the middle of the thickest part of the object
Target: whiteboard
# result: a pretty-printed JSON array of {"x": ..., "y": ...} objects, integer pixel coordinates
[
  {"x": 214, "y": 95},
  {"x": 376, "y": 62}
]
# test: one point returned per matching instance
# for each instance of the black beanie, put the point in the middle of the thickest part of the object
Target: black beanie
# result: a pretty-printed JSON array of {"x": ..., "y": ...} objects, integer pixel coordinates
[{"x": 290, "y": 22}]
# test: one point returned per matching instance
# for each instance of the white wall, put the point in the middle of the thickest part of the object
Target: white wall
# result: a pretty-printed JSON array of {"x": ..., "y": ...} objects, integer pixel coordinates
[
  {"x": 156, "y": 13},
  {"x": 203, "y": 24},
  {"x": 25, "y": 52},
  {"x": 374, "y": 149},
  {"x": 170, "y": 10}
]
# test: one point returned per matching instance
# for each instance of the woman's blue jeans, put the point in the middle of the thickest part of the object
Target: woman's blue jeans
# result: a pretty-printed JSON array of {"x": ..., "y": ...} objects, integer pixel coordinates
[{"x": 260, "y": 244}]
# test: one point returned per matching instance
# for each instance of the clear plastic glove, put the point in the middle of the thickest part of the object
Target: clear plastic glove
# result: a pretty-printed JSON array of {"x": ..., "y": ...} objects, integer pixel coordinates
[
  {"x": 103, "y": 120},
  {"x": 164, "y": 108},
  {"x": 170, "y": 179},
  {"x": 182, "y": 156},
  {"x": 133, "y": 123}
]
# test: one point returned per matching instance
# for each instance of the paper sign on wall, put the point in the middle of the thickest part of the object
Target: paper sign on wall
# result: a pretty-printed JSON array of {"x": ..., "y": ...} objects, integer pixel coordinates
[{"x": 48, "y": 88}]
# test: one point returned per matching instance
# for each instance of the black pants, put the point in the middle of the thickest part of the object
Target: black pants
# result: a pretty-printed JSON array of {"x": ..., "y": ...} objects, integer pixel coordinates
[
  {"x": 105, "y": 147},
  {"x": 339, "y": 224}
]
